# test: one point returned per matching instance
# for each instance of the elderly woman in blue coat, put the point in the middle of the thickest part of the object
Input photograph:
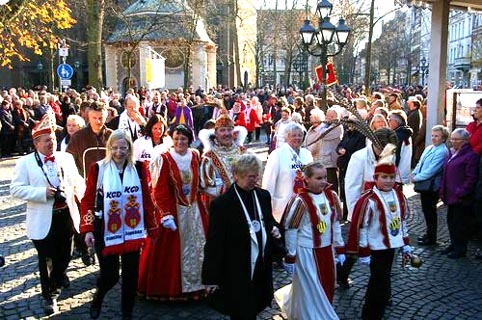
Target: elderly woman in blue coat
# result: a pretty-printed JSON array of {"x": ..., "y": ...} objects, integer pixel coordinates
[
  {"x": 430, "y": 168},
  {"x": 457, "y": 191}
]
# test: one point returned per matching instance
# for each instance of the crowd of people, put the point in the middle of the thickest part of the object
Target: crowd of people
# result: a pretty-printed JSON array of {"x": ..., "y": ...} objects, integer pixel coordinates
[{"x": 161, "y": 185}]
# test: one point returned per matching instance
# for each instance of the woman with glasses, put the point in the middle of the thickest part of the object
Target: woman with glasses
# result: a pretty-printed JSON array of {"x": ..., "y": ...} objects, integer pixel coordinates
[
  {"x": 115, "y": 213},
  {"x": 238, "y": 254},
  {"x": 170, "y": 267},
  {"x": 457, "y": 189}
]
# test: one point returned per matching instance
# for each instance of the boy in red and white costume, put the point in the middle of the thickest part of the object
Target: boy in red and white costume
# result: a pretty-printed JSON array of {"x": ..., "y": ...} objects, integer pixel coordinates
[
  {"x": 312, "y": 223},
  {"x": 378, "y": 228}
]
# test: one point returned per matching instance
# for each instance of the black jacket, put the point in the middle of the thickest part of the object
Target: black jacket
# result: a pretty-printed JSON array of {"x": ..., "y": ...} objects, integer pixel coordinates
[
  {"x": 403, "y": 136},
  {"x": 352, "y": 141},
  {"x": 227, "y": 257}
]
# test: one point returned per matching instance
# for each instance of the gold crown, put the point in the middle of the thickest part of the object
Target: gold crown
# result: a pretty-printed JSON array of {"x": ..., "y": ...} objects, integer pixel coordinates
[{"x": 224, "y": 121}]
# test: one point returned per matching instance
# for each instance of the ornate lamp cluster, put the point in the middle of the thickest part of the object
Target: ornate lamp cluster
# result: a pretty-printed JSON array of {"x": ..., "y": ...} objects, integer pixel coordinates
[
  {"x": 323, "y": 36},
  {"x": 316, "y": 41}
]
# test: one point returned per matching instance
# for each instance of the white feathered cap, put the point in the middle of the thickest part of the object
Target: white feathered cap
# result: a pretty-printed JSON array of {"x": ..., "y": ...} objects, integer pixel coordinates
[
  {"x": 386, "y": 162},
  {"x": 207, "y": 137}
]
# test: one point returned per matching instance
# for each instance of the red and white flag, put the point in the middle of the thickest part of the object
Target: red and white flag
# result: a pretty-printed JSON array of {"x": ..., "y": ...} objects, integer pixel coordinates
[{"x": 331, "y": 75}]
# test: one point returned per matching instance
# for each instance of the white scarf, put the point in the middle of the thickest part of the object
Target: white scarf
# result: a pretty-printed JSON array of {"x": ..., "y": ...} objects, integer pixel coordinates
[
  {"x": 252, "y": 232},
  {"x": 128, "y": 125},
  {"x": 123, "y": 209}
]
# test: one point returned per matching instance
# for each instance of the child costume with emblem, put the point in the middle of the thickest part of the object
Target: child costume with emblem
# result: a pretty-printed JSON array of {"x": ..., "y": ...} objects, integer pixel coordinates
[
  {"x": 377, "y": 228},
  {"x": 379, "y": 222},
  {"x": 312, "y": 230},
  {"x": 170, "y": 265}
]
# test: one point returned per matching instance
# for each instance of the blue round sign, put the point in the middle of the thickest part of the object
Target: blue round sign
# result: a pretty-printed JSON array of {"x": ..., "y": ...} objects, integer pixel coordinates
[{"x": 65, "y": 71}]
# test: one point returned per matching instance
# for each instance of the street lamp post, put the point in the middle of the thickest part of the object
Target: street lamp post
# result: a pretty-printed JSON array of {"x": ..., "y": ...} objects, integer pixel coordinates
[
  {"x": 300, "y": 66},
  {"x": 40, "y": 68},
  {"x": 424, "y": 69},
  {"x": 316, "y": 41},
  {"x": 77, "y": 73}
]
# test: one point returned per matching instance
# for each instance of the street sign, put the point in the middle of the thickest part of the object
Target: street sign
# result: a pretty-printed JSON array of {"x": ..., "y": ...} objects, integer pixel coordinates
[
  {"x": 65, "y": 71},
  {"x": 63, "y": 52},
  {"x": 65, "y": 82}
]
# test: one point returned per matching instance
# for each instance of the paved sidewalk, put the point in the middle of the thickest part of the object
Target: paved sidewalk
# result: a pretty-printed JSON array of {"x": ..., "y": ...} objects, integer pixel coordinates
[{"x": 440, "y": 289}]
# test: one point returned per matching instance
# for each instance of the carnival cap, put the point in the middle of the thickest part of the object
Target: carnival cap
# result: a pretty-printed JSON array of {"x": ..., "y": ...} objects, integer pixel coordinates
[
  {"x": 386, "y": 163},
  {"x": 45, "y": 126},
  {"x": 224, "y": 121}
]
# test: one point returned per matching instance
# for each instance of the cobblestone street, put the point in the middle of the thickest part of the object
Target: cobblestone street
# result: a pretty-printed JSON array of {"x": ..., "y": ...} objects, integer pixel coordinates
[{"x": 441, "y": 289}]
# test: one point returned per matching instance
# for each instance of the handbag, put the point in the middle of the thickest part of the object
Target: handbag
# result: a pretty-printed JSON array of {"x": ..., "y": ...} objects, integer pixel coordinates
[
  {"x": 427, "y": 185},
  {"x": 424, "y": 185}
]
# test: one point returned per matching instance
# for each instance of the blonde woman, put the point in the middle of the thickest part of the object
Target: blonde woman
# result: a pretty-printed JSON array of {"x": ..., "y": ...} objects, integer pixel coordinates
[{"x": 74, "y": 124}]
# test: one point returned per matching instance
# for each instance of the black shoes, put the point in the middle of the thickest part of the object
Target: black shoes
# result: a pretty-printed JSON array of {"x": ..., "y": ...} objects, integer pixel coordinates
[
  {"x": 88, "y": 259},
  {"x": 96, "y": 305},
  {"x": 421, "y": 238},
  {"x": 64, "y": 282},
  {"x": 427, "y": 242},
  {"x": 50, "y": 306},
  {"x": 447, "y": 250},
  {"x": 456, "y": 255},
  {"x": 478, "y": 254},
  {"x": 344, "y": 283}
]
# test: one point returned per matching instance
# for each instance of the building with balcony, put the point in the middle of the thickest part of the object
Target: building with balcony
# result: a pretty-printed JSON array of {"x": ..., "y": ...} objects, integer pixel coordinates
[
  {"x": 459, "y": 60},
  {"x": 476, "y": 61}
]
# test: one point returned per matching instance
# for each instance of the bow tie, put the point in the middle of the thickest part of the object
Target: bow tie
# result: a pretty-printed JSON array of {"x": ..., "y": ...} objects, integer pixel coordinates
[{"x": 49, "y": 158}]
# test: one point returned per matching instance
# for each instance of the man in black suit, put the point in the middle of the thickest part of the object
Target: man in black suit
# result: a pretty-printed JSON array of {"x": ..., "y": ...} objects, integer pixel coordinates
[{"x": 237, "y": 257}]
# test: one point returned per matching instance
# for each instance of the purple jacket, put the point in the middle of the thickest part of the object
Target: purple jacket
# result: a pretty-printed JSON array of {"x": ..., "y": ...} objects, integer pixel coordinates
[{"x": 460, "y": 176}]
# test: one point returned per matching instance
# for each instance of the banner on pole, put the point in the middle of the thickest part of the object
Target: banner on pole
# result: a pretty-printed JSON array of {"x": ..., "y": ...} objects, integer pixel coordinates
[
  {"x": 331, "y": 75},
  {"x": 155, "y": 73}
]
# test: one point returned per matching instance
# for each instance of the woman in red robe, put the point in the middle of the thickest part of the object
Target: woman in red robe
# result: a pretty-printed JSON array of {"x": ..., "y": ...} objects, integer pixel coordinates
[{"x": 170, "y": 266}]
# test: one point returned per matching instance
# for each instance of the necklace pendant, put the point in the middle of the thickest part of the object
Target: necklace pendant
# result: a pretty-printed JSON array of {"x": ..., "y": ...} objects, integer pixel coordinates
[
  {"x": 256, "y": 225},
  {"x": 392, "y": 206},
  {"x": 323, "y": 209}
]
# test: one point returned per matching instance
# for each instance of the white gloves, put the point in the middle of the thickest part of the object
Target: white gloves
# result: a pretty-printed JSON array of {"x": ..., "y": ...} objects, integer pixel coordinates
[
  {"x": 406, "y": 249},
  {"x": 341, "y": 258},
  {"x": 289, "y": 267},
  {"x": 365, "y": 260},
  {"x": 169, "y": 223}
]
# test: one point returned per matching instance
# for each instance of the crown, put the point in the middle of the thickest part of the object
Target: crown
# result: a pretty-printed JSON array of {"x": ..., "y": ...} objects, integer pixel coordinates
[{"x": 224, "y": 121}]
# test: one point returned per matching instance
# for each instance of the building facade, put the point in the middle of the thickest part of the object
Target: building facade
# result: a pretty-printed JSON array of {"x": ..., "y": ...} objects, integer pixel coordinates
[{"x": 168, "y": 30}]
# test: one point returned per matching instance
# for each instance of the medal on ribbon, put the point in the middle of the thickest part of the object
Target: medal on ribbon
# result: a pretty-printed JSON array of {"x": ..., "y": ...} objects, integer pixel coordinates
[
  {"x": 256, "y": 225},
  {"x": 392, "y": 206},
  {"x": 186, "y": 189},
  {"x": 323, "y": 209},
  {"x": 298, "y": 183}
]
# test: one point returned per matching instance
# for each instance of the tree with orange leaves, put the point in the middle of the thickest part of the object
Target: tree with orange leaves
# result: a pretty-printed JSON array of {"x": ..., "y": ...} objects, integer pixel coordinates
[{"x": 31, "y": 24}]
